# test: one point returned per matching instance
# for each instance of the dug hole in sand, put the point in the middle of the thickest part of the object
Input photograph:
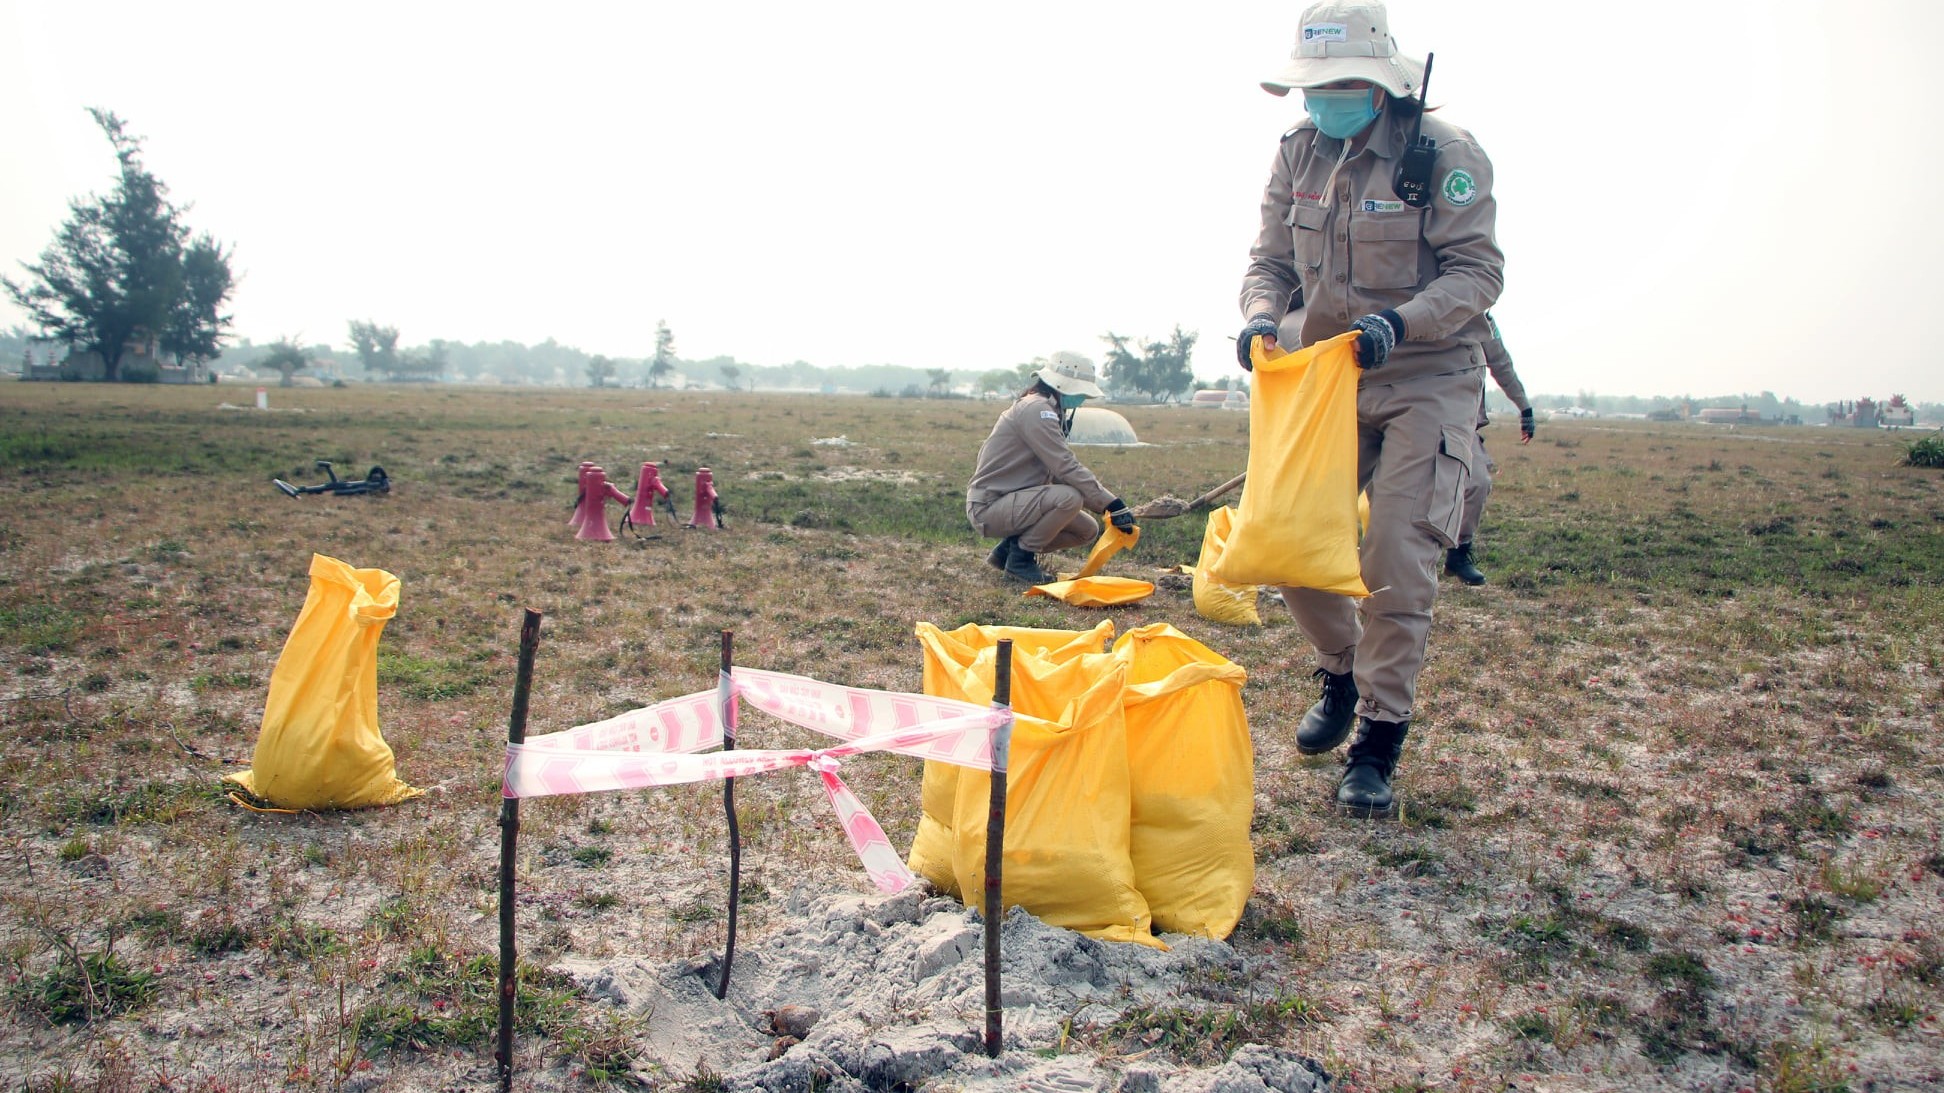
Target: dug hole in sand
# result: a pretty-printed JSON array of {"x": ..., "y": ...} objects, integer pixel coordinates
[{"x": 898, "y": 989}]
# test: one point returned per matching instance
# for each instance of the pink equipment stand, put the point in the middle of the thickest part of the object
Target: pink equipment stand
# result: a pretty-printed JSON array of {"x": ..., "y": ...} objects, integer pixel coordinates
[
  {"x": 705, "y": 498},
  {"x": 595, "y": 497},
  {"x": 647, "y": 491},
  {"x": 580, "y": 496}
]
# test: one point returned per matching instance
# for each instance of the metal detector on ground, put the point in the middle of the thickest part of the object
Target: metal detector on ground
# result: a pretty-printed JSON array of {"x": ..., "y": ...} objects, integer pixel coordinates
[{"x": 374, "y": 481}]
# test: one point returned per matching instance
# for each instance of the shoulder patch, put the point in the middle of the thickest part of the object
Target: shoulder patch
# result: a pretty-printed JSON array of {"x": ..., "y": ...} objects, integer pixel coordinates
[
  {"x": 1050, "y": 413},
  {"x": 1459, "y": 188}
]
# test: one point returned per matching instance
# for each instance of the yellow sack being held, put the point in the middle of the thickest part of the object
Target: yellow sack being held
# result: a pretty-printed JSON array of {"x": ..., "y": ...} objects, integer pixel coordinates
[
  {"x": 320, "y": 746},
  {"x": 1297, "y": 524}
]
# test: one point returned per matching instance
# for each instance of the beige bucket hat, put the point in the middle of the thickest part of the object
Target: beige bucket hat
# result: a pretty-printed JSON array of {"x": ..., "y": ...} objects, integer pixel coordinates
[
  {"x": 1070, "y": 374},
  {"x": 1347, "y": 40}
]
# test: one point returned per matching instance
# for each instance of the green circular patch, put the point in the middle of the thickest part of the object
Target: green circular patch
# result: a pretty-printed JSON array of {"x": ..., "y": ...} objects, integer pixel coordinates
[{"x": 1458, "y": 188}]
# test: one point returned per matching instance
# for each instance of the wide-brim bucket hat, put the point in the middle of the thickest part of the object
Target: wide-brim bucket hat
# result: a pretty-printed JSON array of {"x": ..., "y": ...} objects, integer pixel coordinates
[
  {"x": 1347, "y": 40},
  {"x": 1070, "y": 374}
]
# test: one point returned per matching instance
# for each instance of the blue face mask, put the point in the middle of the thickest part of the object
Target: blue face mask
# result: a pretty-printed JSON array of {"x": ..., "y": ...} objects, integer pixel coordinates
[
  {"x": 1341, "y": 114},
  {"x": 1071, "y": 402}
]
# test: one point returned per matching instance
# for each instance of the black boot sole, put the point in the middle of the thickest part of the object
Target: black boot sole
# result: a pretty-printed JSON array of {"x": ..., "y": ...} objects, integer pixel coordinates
[
  {"x": 1368, "y": 812},
  {"x": 1323, "y": 749}
]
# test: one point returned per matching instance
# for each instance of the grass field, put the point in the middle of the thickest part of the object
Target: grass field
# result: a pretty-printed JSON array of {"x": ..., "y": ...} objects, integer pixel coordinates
[{"x": 1671, "y": 807}]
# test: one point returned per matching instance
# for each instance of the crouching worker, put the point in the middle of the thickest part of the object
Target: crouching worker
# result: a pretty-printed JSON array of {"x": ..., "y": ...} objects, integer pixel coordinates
[{"x": 1029, "y": 490}]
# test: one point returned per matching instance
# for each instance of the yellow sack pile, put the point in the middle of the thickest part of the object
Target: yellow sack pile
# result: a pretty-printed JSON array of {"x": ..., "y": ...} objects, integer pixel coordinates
[
  {"x": 1139, "y": 755},
  {"x": 1066, "y": 863},
  {"x": 1191, "y": 774},
  {"x": 320, "y": 746},
  {"x": 1297, "y": 524},
  {"x": 1217, "y": 599}
]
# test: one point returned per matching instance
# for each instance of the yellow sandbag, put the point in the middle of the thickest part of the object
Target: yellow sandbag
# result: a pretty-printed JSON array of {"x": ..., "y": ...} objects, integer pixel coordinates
[
  {"x": 1191, "y": 781},
  {"x": 1068, "y": 811},
  {"x": 320, "y": 746},
  {"x": 1215, "y": 599},
  {"x": 1111, "y": 542},
  {"x": 1095, "y": 591},
  {"x": 945, "y": 653},
  {"x": 1298, "y": 520}
]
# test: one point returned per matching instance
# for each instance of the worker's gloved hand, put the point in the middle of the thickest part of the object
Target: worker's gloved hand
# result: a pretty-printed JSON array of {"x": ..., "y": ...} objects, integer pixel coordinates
[
  {"x": 1120, "y": 515},
  {"x": 1525, "y": 425},
  {"x": 1376, "y": 334},
  {"x": 1262, "y": 326}
]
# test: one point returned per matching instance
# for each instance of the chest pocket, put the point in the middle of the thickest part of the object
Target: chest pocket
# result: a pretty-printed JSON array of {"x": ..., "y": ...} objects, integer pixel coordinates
[
  {"x": 1384, "y": 250},
  {"x": 1311, "y": 233}
]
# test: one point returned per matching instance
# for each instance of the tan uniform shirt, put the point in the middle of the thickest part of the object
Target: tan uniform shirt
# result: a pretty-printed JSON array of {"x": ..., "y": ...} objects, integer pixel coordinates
[
  {"x": 1028, "y": 449},
  {"x": 1499, "y": 362},
  {"x": 1336, "y": 239}
]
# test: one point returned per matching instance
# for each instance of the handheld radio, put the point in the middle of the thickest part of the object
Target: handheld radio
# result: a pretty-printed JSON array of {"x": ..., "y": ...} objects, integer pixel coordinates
[{"x": 1412, "y": 182}]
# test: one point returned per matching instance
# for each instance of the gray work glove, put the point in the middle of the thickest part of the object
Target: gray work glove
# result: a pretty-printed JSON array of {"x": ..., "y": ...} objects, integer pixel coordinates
[
  {"x": 1120, "y": 515},
  {"x": 1376, "y": 334},
  {"x": 1262, "y": 326},
  {"x": 1525, "y": 425}
]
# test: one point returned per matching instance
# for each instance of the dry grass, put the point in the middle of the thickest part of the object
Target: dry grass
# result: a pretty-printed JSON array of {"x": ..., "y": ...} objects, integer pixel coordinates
[{"x": 1670, "y": 816}]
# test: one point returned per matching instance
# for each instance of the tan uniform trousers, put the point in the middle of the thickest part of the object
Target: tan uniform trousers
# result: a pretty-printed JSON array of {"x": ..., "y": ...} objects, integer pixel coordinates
[
  {"x": 1414, "y": 455},
  {"x": 1483, "y": 471},
  {"x": 1044, "y": 517}
]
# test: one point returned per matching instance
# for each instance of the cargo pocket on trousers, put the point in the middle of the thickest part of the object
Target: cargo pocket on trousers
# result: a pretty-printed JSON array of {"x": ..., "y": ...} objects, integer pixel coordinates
[{"x": 1444, "y": 503}]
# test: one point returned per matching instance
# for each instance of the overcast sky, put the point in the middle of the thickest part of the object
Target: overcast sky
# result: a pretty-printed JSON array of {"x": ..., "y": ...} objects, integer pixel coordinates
[{"x": 971, "y": 186}]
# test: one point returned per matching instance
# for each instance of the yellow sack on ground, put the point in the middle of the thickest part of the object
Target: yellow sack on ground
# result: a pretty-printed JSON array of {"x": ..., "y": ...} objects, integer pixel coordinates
[
  {"x": 1095, "y": 591},
  {"x": 1297, "y": 524},
  {"x": 1067, "y": 857},
  {"x": 1191, "y": 781},
  {"x": 1216, "y": 599},
  {"x": 320, "y": 746},
  {"x": 1111, "y": 542},
  {"x": 946, "y": 655}
]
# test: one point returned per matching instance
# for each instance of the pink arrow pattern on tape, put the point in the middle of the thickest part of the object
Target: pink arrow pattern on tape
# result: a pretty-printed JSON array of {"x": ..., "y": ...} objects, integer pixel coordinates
[{"x": 869, "y": 721}]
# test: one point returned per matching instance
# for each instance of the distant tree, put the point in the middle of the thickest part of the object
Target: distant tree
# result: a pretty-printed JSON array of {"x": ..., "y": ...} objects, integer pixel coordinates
[
  {"x": 124, "y": 268},
  {"x": 376, "y": 347},
  {"x": 663, "y": 362},
  {"x": 941, "y": 380},
  {"x": 730, "y": 375},
  {"x": 996, "y": 381},
  {"x": 1160, "y": 371},
  {"x": 599, "y": 371},
  {"x": 1025, "y": 371},
  {"x": 287, "y": 358},
  {"x": 1123, "y": 372},
  {"x": 1169, "y": 373},
  {"x": 426, "y": 365}
]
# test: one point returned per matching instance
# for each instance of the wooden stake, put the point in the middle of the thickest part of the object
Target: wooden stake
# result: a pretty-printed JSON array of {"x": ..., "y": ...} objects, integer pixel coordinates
[
  {"x": 509, "y": 835},
  {"x": 996, "y": 847},
  {"x": 726, "y": 701}
]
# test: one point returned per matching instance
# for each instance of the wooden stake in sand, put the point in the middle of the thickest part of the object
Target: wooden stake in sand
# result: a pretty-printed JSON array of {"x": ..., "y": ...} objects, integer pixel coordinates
[
  {"x": 726, "y": 699},
  {"x": 996, "y": 846},
  {"x": 509, "y": 834}
]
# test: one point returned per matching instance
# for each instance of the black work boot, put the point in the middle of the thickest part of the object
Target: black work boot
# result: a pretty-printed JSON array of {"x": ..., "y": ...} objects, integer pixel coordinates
[
  {"x": 1022, "y": 566},
  {"x": 1458, "y": 563},
  {"x": 997, "y": 559},
  {"x": 1366, "y": 787},
  {"x": 1329, "y": 721}
]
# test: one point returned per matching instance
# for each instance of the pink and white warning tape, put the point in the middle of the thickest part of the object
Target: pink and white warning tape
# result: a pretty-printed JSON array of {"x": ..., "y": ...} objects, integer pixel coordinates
[{"x": 655, "y": 746}]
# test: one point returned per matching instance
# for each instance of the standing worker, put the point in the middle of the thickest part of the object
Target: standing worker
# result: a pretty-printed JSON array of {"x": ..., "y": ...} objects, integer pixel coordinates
[
  {"x": 1371, "y": 233},
  {"x": 1029, "y": 490},
  {"x": 1458, "y": 560}
]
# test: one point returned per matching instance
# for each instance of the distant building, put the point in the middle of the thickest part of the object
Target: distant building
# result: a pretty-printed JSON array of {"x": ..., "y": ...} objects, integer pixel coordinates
[
  {"x": 1728, "y": 415},
  {"x": 141, "y": 357}
]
